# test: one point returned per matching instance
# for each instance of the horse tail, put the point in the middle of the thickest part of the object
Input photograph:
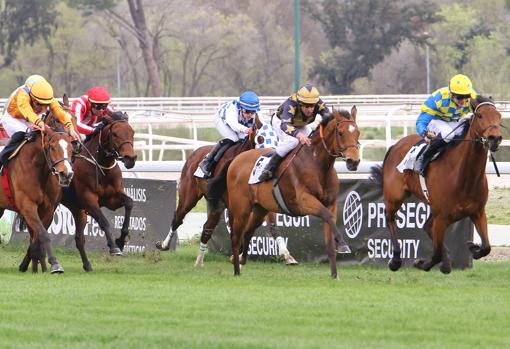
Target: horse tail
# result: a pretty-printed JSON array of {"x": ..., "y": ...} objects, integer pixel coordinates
[
  {"x": 376, "y": 172},
  {"x": 217, "y": 185}
]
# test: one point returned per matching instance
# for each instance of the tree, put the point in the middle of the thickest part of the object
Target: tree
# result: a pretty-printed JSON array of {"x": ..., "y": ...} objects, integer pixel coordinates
[
  {"x": 362, "y": 33},
  {"x": 23, "y": 21},
  {"x": 138, "y": 28}
]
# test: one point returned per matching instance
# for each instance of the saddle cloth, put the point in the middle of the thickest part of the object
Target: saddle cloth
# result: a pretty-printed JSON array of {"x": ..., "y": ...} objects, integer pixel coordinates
[
  {"x": 198, "y": 172},
  {"x": 259, "y": 166},
  {"x": 408, "y": 162}
]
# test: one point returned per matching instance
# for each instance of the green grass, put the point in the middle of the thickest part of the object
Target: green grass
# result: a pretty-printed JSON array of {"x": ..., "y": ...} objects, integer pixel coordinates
[{"x": 161, "y": 300}]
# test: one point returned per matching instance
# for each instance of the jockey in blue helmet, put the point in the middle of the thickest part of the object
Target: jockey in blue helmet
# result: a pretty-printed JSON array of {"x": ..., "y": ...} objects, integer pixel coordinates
[{"x": 234, "y": 121}]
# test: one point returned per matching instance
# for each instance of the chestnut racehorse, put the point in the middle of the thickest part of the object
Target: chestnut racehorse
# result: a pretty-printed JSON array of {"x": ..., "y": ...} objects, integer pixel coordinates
[
  {"x": 98, "y": 182},
  {"x": 307, "y": 180},
  {"x": 36, "y": 176},
  {"x": 192, "y": 189},
  {"x": 456, "y": 182}
]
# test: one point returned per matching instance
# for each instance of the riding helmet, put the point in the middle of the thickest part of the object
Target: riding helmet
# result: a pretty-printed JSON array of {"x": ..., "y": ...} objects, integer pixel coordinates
[
  {"x": 249, "y": 101},
  {"x": 308, "y": 94}
]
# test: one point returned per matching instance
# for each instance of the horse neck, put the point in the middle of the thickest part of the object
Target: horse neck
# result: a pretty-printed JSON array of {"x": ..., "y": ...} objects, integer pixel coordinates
[
  {"x": 37, "y": 158},
  {"x": 94, "y": 148},
  {"x": 471, "y": 159},
  {"x": 320, "y": 155}
]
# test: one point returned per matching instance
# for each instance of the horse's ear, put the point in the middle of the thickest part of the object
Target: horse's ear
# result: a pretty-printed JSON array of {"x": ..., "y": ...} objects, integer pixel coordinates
[
  {"x": 354, "y": 111},
  {"x": 65, "y": 100}
]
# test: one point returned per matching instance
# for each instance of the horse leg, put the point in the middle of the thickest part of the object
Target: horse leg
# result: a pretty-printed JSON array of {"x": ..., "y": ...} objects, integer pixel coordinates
[
  {"x": 282, "y": 247},
  {"x": 187, "y": 200},
  {"x": 23, "y": 267},
  {"x": 480, "y": 221},
  {"x": 35, "y": 227},
  {"x": 96, "y": 213},
  {"x": 446, "y": 262},
  {"x": 438, "y": 229},
  {"x": 213, "y": 217},
  {"x": 254, "y": 221},
  {"x": 80, "y": 219},
  {"x": 56, "y": 268},
  {"x": 127, "y": 202}
]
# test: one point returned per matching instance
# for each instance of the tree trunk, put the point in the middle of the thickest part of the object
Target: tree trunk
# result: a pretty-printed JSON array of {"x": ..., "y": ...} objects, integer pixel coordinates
[{"x": 136, "y": 10}]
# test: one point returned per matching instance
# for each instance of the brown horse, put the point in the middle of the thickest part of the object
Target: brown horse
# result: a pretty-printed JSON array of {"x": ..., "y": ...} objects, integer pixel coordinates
[
  {"x": 36, "y": 175},
  {"x": 308, "y": 183},
  {"x": 98, "y": 182},
  {"x": 457, "y": 185},
  {"x": 192, "y": 189}
]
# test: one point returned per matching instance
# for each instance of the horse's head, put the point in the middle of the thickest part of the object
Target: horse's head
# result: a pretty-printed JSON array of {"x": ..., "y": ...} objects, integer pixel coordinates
[
  {"x": 486, "y": 122},
  {"x": 341, "y": 130},
  {"x": 116, "y": 138},
  {"x": 57, "y": 150}
]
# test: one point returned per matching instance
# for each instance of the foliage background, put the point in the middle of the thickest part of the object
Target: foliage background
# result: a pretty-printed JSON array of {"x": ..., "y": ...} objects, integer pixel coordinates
[{"x": 205, "y": 48}]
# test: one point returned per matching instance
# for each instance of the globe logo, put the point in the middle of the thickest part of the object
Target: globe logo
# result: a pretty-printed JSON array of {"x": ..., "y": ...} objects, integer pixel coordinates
[{"x": 353, "y": 214}]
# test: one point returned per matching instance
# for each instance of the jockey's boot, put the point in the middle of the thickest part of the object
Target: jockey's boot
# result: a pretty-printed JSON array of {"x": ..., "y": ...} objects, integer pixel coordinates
[
  {"x": 424, "y": 158},
  {"x": 209, "y": 163},
  {"x": 270, "y": 169},
  {"x": 11, "y": 146}
]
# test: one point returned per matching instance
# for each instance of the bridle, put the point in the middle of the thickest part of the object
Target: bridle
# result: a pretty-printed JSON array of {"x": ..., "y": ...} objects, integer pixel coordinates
[
  {"x": 342, "y": 150},
  {"x": 47, "y": 155},
  {"x": 479, "y": 135},
  {"x": 103, "y": 145}
]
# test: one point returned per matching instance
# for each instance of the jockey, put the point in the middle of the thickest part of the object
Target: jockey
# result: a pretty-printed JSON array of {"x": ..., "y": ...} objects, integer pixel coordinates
[
  {"x": 89, "y": 110},
  {"x": 440, "y": 114},
  {"x": 291, "y": 123},
  {"x": 26, "y": 107},
  {"x": 234, "y": 121}
]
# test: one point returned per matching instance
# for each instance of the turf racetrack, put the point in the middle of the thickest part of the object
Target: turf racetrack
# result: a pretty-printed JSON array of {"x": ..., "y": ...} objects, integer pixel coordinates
[{"x": 162, "y": 301}]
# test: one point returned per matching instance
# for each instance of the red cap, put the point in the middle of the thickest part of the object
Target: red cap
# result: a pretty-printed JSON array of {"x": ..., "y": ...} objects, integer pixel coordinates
[{"x": 98, "y": 94}]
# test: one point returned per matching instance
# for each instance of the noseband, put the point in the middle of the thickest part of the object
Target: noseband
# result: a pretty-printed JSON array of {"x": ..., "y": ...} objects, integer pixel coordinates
[{"x": 337, "y": 142}]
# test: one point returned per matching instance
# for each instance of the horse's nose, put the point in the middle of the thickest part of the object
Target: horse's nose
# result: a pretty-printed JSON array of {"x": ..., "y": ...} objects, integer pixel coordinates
[
  {"x": 494, "y": 142},
  {"x": 129, "y": 161},
  {"x": 351, "y": 164}
]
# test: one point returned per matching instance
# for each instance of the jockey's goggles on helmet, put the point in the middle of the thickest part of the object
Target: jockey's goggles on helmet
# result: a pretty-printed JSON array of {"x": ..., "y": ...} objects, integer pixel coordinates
[
  {"x": 99, "y": 106},
  {"x": 460, "y": 97},
  {"x": 246, "y": 111}
]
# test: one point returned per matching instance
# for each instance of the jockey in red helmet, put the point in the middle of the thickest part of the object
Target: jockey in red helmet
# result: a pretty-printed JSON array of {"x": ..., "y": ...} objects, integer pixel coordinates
[{"x": 90, "y": 108}]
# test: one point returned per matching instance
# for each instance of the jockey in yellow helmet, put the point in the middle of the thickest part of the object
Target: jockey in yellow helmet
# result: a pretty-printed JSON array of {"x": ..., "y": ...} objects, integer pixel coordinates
[
  {"x": 291, "y": 121},
  {"x": 28, "y": 103},
  {"x": 440, "y": 115}
]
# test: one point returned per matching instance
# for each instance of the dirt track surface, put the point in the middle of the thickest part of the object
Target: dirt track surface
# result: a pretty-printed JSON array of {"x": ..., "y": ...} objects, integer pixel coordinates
[{"x": 499, "y": 253}]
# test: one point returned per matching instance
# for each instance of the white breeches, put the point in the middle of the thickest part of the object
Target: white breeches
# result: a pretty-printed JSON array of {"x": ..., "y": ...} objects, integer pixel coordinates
[
  {"x": 446, "y": 129},
  {"x": 286, "y": 142},
  {"x": 13, "y": 125}
]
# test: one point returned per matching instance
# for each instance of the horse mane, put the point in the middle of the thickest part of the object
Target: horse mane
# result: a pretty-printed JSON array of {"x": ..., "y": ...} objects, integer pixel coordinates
[
  {"x": 344, "y": 113},
  {"x": 117, "y": 115}
]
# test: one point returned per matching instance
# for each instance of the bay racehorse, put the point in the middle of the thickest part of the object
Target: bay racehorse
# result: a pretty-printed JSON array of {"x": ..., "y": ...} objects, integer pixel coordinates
[
  {"x": 36, "y": 176},
  {"x": 98, "y": 182},
  {"x": 307, "y": 180},
  {"x": 192, "y": 189},
  {"x": 456, "y": 183}
]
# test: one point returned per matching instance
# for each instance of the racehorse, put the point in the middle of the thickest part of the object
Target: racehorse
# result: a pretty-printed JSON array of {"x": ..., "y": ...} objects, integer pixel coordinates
[
  {"x": 35, "y": 177},
  {"x": 192, "y": 189},
  {"x": 457, "y": 185},
  {"x": 307, "y": 180},
  {"x": 98, "y": 182}
]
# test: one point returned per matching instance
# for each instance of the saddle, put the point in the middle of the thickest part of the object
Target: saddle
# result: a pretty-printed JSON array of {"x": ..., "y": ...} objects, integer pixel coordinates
[{"x": 15, "y": 143}]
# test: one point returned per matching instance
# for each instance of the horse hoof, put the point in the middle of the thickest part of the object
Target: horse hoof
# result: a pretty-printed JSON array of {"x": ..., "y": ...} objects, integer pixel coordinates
[
  {"x": 56, "y": 269},
  {"x": 446, "y": 268},
  {"x": 199, "y": 262},
  {"x": 88, "y": 268},
  {"x": 291, "y": 261},
  {"x": 120, "y": 244},
  {"x": 23, "y": 268},
  {"x": 343, "y": 249},
  {"x": 159, "y": 246},
  {"x": 115, "y": 252},
  {"x": 419, "y": 263},
  {"x": 394, "y": 265}
]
